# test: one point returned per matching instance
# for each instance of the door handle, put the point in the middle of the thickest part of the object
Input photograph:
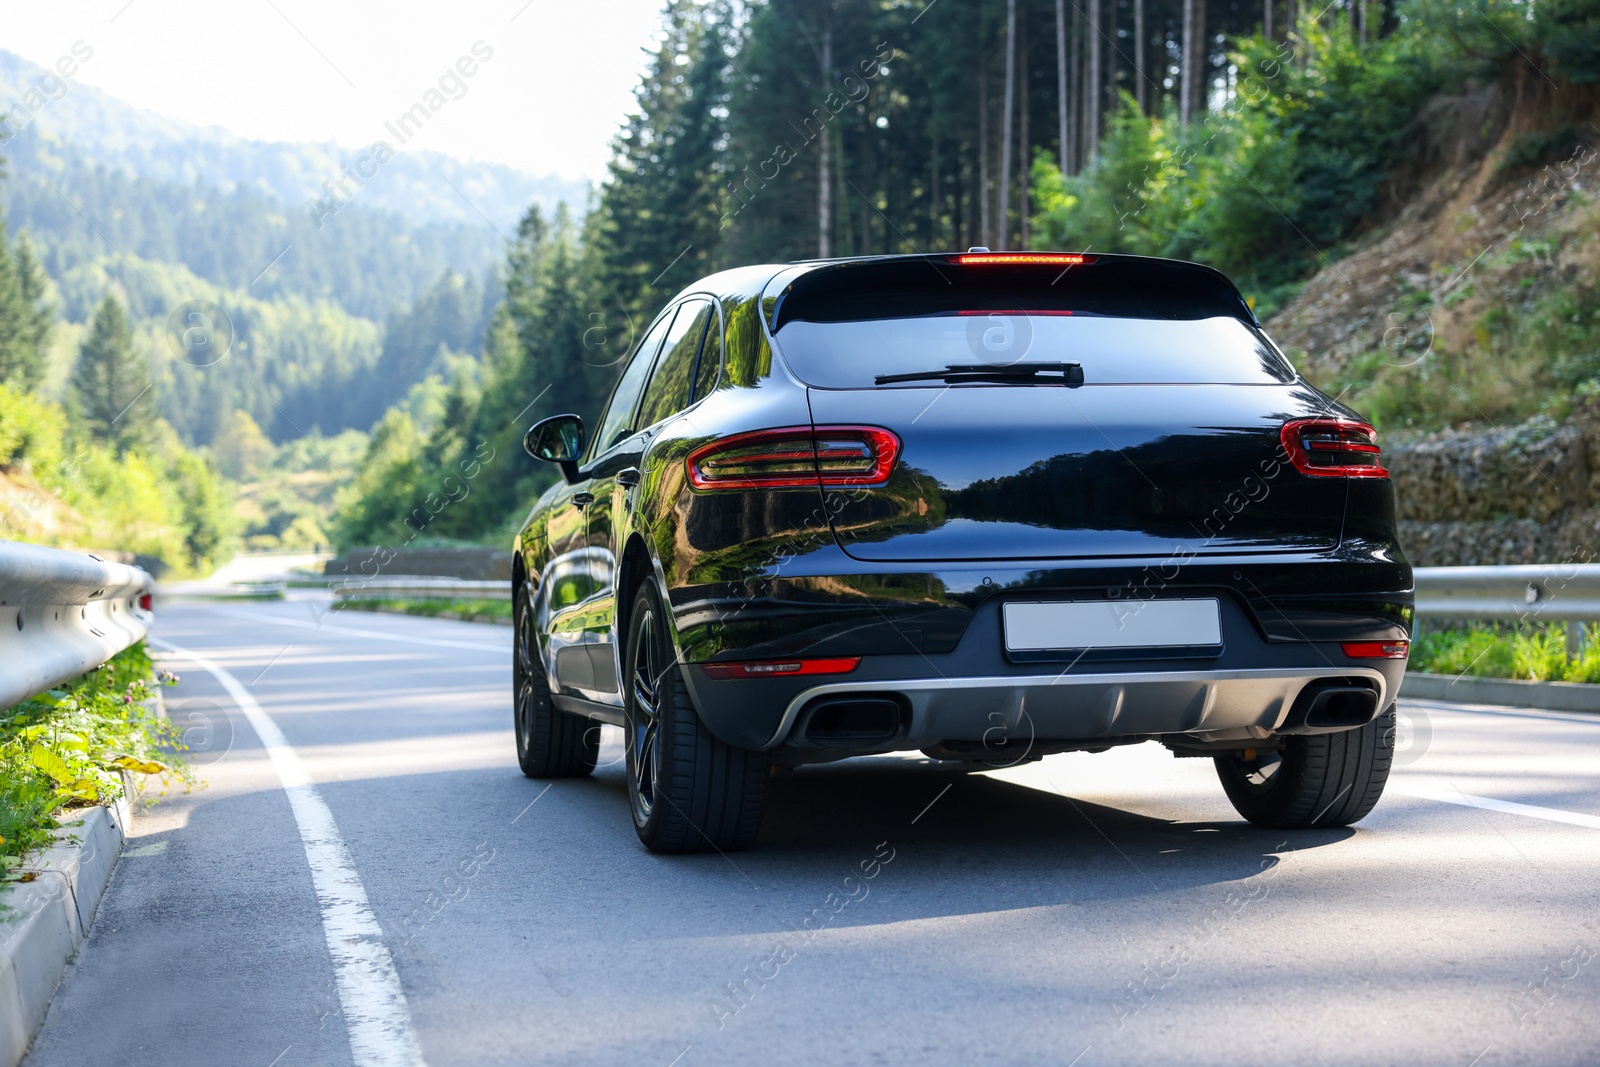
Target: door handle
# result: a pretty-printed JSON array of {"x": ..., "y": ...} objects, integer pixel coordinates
[
  {"x": 583, "y": 499},
  {"x": 629, "y": 477}
]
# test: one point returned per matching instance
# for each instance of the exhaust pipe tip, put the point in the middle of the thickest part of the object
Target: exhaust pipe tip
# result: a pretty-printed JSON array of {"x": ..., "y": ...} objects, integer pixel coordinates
[
  {"x": 1331, "y": 704},
  {"x": 851, "y": 722}
]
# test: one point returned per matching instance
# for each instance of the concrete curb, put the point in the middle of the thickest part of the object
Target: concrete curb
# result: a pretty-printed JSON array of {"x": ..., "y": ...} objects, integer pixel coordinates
[
  {"x": 1551, "y": 696},
  {"x": 50, "y": 917}
]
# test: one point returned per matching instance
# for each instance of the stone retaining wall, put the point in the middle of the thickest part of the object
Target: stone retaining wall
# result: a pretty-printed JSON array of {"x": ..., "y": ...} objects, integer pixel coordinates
[{"x": 1518, "y": 494}]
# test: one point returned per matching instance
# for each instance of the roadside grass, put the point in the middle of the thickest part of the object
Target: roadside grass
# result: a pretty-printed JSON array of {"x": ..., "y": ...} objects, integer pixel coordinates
[
  {"x": 466, "y": 610},
  {"x": 1530, "y": 653},
  {"x": 67, "y": 748}
]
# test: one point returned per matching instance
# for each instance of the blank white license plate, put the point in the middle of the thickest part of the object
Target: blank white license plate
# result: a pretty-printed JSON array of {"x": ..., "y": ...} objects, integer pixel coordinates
[{"x": 1037, "y": 627}]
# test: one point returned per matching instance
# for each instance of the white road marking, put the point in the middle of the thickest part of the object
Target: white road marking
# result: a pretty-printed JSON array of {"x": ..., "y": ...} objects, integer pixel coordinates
[
  {"x": 1511, "y": 807},
  {"x": 1587, "y": 718},
  {"x": 378, "y": 634},
  {"x": 375, "y": 1012}
]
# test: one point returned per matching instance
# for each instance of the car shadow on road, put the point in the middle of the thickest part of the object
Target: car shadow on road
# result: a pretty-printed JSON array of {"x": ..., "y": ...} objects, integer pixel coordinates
[{"x": 980, "y": 843}]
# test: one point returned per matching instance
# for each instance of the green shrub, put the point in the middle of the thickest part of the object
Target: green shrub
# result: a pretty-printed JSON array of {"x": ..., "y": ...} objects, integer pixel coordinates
[
  {"x": 1531, "y": 653},
  {"x": 1586, "y": 668},
  {"x": 1539, "y": 655},
  {"x": 1477, "y": 651},
  {"x": 160, "y": 500},
  {"x": 375, "y": 506},
  {"x": 1126, "y": 200},
  {"x": 33, "y": 431},
  {"x": 67, "y": 748},
  {"x": 1242, "y": 195},
  {"x": 1292, "y": 164}
]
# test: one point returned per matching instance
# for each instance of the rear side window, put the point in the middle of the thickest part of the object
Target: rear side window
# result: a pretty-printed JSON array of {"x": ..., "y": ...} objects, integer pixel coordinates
[
  {"x": 668, "y": 391},
  {"x": 617, "y": 422},
  {"x": 709, "y": 369},
  {"x": 1112, "y": 351}
]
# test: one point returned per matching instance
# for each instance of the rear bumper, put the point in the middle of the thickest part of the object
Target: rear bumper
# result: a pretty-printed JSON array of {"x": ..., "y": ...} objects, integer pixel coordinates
[
  {"x": 1002, "y": 712},
  {"x": 823, "y": 603},
  {"x": 976, "y": 692},
  {"x": 1010, "y": 712}
]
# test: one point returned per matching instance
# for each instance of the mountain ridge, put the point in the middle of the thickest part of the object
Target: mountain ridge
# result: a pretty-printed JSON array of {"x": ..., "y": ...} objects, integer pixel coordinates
[{"x": 424, "y": 185}]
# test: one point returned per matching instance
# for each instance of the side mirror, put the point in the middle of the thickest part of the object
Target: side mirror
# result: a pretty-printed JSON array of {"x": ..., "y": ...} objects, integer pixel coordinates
[{"x": 558, "y": 440}]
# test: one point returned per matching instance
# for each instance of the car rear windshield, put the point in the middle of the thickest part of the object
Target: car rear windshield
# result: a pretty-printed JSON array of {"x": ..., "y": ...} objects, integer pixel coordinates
[{"x": 1112, "y": 351}]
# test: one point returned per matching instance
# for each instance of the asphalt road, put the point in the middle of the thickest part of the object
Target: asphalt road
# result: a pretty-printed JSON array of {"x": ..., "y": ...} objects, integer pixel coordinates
[{"x": 411, "y": 897}]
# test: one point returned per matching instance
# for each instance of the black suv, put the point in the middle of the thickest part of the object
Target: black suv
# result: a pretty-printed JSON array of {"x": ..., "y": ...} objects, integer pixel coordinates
[{"x": 989, "y": 506}]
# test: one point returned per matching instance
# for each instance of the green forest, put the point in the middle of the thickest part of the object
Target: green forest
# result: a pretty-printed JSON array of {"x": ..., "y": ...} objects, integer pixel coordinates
[
  {"x": 790, "y": 130},
  {"x": 388, "y": 369}
]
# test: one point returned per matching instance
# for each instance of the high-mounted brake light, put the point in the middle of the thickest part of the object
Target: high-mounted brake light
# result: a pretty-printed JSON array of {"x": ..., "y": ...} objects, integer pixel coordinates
[
  {"x": 1026, "y": 312},
  {"x": 1376, "y": 649},
  {"x": 1333, "y": 448},
  {"x": 796, "y": 457},
  {"x": 996, "y": 259},
  {"x": 780, "y": 667}
]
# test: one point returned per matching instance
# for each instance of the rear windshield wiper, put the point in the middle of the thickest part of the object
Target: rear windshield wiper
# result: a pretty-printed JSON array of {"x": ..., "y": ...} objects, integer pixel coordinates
[{"x": 1014, "y": 373}]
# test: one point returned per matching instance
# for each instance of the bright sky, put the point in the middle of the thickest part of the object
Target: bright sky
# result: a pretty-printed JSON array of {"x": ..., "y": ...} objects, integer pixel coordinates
[{"x": 559, "y": 81}]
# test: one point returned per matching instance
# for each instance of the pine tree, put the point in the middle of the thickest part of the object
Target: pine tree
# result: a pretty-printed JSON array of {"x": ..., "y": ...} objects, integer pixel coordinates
[
  {"x": 112, "y": 381},
  {"x": 556, "y": 360},
  {"x": 499, "y": 480},
  {"x": 40, "y": 314},
  {"x": 660, "y": 212},
  {"x": 26, "y": 317},
  {"x": 525, "y": 276},
  {"x": 13, "y": 315}
]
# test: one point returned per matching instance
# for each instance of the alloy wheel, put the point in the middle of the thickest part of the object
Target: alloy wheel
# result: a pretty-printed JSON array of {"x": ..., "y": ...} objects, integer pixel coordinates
[
  {"x": 644, "y": 717},
  {"x": 523, "y": 676}
]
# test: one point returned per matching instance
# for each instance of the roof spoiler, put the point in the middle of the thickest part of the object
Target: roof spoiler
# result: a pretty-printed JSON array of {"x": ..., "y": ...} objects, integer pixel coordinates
[{"x": 1116, "y": 286}]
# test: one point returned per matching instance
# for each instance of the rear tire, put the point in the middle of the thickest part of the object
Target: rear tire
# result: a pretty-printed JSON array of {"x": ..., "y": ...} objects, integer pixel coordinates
[
  {"x": 688, "y": 791},
  {"x": 1316, "y": 780},
  {"x": 550, "y": 743}
]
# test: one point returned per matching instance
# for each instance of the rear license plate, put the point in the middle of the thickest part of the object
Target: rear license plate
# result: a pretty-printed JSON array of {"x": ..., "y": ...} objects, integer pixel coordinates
[{"x": 1092, "y": 624}]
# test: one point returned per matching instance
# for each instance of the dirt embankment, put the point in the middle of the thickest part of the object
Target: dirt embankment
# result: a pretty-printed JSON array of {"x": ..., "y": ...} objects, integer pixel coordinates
[{"x": 1471, "y": 221}]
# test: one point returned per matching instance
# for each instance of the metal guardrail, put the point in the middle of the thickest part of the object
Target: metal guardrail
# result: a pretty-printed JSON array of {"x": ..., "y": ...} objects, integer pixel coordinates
[
  {"x": 403, "y": 588},
  {"x": 1552, "y": 592},
  {"x": 63, "y": 613}
]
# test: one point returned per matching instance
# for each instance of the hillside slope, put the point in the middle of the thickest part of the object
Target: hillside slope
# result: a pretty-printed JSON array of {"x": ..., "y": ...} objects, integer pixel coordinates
[
  {"x": 1468, "y": 329},
  {"x": 1477, "y": 302}
]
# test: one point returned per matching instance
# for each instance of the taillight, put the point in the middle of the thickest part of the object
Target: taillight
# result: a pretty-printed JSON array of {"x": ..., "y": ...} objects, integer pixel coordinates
[
  {"x": 796, "y": 457},
  {"x": 1333, "y": 448},
  {"x": 146, "y": 601},
  {"x": 1376, "y": 649},
  {"x": 1000, "y": 259},
  {"x": 772, "y": 668}
]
